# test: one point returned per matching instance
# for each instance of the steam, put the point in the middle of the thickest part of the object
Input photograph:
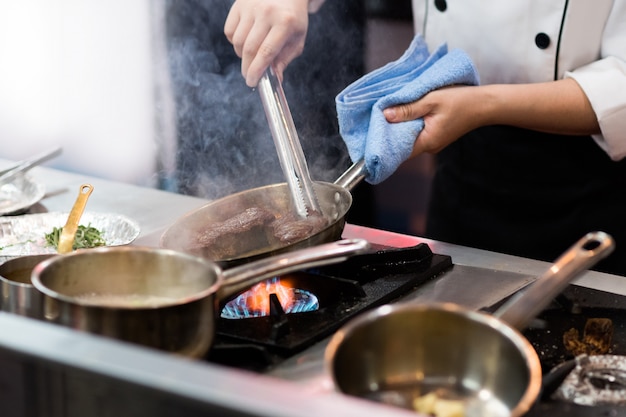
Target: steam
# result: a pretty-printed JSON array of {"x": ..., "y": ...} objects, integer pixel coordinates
[
  {"x": 223, "y": 143},
  {"x": 223, "y": 140}
]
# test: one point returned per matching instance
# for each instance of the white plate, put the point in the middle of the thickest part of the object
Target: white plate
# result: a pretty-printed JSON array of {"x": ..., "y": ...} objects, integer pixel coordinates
[
  {"x": 19, "y": 195},
  {"x": 25, "y": 235}
]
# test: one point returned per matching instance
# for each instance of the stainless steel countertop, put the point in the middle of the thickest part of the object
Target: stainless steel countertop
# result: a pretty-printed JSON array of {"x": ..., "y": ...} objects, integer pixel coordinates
[{"x": 299, "y": 387}]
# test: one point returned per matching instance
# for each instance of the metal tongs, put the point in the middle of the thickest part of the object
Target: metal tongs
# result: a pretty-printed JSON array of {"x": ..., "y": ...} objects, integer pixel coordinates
[
  {"x": 288, "y": 145},
  {"x": 9, "y": 174}
]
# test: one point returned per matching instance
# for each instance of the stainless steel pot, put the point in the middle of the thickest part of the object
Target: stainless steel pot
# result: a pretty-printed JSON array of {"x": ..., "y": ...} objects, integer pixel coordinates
[
  {"x": 158, "y": 297},
  {"x": 423, "y": 356},
  {"x": 334, "y": 200},
  {"x": 17, "y": 293}
]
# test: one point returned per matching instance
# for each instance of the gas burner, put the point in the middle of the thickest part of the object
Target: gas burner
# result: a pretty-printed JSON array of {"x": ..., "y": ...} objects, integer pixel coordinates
[
  {"x": 274, "y": 296},
  {"x": 342, "y": 291}
]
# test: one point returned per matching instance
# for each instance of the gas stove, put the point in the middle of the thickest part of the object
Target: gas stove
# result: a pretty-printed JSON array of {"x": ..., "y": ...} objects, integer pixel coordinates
[
  {"x": 280, "y": 344},
  {"x": 52, "y": 371},
  {"x": 343, "y": 290}
]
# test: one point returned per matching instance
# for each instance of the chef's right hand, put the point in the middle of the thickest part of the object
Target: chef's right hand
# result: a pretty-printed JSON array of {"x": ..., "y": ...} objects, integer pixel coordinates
[{"x": 266, "y": 32}]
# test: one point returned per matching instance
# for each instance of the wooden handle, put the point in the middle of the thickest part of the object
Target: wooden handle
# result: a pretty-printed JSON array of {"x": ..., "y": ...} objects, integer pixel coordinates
[{"x": 66, "y": 241}]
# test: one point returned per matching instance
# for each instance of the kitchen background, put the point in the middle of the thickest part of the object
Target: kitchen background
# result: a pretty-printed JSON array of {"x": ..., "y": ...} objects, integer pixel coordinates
[{"x": 92, "y": 76}]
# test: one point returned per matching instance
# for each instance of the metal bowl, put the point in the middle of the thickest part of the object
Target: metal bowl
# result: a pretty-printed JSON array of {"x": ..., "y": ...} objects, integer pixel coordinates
[{"x": 20, "y": 194}]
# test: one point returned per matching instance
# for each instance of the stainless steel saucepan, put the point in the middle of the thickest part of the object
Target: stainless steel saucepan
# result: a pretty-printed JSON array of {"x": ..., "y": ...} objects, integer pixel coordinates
[
  {"x": 17, "y": 293},
  {"x": 442, "y": 359},
  {"x": 158, "y": 297}
]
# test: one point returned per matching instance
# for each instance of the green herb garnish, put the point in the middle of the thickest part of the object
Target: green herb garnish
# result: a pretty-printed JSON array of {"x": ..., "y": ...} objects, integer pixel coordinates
[{"x": 86, "y": 237}]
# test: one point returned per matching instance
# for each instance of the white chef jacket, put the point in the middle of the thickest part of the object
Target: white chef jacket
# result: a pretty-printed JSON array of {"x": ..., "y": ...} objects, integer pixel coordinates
[{"x": 526, "y": 41}]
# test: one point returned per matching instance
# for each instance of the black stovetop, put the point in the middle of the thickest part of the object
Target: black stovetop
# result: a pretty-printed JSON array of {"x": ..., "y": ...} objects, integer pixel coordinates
[
  {"x": 344, "y": 290},
  {"x": 571, "y": 310}
]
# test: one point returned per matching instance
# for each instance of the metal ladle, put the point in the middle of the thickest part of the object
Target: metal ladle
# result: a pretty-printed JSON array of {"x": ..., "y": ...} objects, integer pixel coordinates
[{"x": 288, "y": 145}]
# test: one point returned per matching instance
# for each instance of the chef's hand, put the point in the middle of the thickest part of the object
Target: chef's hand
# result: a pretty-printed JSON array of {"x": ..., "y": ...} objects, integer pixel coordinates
[
  {"x": 266, "y": 32},
  {"x": 448, "y": 114},
  {"x": 559, "y": 107}
]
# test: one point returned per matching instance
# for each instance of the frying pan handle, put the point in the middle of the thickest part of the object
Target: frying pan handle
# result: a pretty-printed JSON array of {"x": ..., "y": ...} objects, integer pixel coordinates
[
  {"x": 527, "y": 304},
  {"x": 242, "y": 277},
  {"x": 353, "y": 175}
]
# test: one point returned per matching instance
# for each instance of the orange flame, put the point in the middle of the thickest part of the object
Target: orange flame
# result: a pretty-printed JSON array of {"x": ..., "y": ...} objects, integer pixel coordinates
[{"x": 258, "y": 297}]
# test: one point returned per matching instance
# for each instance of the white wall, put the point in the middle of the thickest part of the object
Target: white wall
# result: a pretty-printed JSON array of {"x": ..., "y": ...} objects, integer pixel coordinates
[{"x": 79, "y": 73}]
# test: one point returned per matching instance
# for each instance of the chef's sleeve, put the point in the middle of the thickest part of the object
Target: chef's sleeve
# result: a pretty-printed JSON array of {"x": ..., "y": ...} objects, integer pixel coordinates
[{"x": 604, "y": 83}]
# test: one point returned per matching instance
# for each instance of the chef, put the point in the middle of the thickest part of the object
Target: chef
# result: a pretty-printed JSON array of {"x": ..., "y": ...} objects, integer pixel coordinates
[{"x": 533, "y": 158}]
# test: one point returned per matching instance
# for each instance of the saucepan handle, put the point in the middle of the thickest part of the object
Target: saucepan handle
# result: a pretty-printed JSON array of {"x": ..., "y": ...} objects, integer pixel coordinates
[
  {"x": 241, "y": 277},
  {"x": 528, "y": 303}
]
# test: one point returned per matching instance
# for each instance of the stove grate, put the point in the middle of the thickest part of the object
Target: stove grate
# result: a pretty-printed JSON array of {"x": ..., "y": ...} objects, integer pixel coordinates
[{"x": 344, "y": 290}]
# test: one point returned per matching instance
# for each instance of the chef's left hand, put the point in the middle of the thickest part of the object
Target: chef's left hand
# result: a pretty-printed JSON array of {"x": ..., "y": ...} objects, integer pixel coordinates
[
  {"x": 559, "y": 107},
  {"x": 448, "y": 114},
  {"x": 266, "y": 32}
]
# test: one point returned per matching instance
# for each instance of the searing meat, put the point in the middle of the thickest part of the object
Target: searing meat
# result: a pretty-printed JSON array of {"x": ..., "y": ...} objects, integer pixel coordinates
[
  {"x": 290, "y": 228},
  {"x": 242, "y": 222},
  {"x": 252, "y": 230},
  {"x": 241, "y": 233}
]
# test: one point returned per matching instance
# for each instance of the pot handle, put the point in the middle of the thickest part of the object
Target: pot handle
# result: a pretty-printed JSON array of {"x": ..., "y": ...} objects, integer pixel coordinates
[
  {"x": 244, "y": 276},
  {"x": 353, "y": 175},
  {"x": 528, "y": 303}
]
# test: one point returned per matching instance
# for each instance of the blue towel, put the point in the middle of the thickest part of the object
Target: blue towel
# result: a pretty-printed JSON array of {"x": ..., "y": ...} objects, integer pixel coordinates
[{"x": 362, "y": 125}]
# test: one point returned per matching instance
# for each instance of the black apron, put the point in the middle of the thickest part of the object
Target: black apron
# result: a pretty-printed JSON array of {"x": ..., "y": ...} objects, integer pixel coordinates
[{"x": 528, "y": 194}]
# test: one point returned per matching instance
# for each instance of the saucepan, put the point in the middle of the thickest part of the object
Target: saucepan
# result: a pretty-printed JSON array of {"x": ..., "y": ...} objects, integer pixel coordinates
[
  {"x": 18, "y": 295},
  {"x": 239, "y": 227},
  {"x": 157, "y": 297},
  {"x": 443, "y": 359}
]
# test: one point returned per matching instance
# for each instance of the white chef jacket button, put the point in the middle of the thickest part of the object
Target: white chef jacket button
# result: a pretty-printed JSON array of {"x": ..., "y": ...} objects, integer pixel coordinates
[
  {"x": 542, "y": 40},
  {"x": 441, "y": 5}
]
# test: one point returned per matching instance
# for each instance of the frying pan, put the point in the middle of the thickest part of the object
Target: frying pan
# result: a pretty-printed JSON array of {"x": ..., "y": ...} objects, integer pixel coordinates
[
  {"x": 442, "y": 355},
  {"x": 334, "y": 200}
]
